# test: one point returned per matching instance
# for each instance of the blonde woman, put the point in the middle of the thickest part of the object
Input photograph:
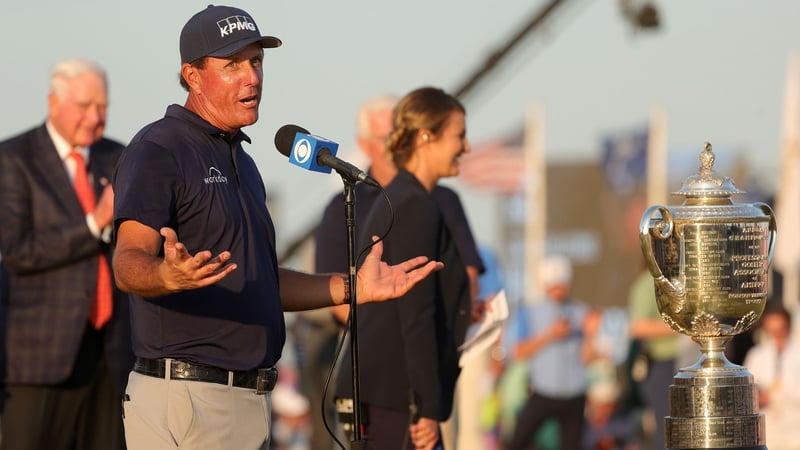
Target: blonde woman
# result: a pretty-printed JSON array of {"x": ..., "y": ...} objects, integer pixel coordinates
[{"x": 408, "y": 350}]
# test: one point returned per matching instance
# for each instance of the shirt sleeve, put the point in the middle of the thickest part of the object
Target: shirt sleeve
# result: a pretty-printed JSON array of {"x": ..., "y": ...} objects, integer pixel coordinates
[{"x": 146, "y": 186}]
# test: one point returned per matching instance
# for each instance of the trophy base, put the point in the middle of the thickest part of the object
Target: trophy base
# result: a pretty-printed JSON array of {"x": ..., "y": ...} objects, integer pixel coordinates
[
  {"x": 715, "y": 433},
  {"x": 714, "y": 408},
  {"x": 758, "y": 447}
]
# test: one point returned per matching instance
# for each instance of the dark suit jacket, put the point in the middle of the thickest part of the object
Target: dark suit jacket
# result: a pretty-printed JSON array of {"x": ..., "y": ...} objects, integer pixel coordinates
[
  {"x": 331, "y": 246},
  {"x": 410, "y": 344},
  {"x": 51, "y": 261}
]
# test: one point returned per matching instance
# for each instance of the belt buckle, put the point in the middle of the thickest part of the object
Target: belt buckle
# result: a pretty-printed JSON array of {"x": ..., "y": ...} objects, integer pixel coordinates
[{"x": 265, "y": 380}]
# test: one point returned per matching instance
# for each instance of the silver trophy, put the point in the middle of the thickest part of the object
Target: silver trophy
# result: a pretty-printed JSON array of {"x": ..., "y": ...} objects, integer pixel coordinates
[{"x": 709, "y": 259}]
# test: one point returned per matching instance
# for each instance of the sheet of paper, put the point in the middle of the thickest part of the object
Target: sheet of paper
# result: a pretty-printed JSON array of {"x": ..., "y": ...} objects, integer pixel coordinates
[{"x": 481, "y": 335}]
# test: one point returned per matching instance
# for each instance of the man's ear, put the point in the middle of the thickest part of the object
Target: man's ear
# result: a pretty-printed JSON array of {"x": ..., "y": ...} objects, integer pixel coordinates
[
  {"x": 191, "y": 75},
  {"x": 52, "y": 103}
]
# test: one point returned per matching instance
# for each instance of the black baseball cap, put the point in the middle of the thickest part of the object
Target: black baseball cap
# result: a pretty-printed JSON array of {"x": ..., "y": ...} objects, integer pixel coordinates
[{"x": 220, "y": 31}]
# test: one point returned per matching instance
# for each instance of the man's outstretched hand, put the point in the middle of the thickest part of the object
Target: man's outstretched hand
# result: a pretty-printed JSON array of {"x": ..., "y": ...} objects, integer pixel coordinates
[
  {"x": 378, "y": 281},
  {"x": 182, "y": 271}
]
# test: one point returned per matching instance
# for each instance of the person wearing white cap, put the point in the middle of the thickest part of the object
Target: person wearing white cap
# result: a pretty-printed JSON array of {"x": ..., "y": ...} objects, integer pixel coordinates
[
  {"x": 207, "y": 311},
  {"x": 556, "y": 343}
]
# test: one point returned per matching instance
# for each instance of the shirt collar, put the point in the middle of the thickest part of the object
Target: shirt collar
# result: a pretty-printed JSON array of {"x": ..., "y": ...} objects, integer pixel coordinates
[
  {"x": 179, "y": 112},
  {"x": 62, "y": 146}
]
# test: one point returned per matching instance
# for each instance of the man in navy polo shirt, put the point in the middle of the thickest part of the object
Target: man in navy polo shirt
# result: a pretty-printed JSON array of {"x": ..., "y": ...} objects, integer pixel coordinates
[{"x": 207, "y": 310}]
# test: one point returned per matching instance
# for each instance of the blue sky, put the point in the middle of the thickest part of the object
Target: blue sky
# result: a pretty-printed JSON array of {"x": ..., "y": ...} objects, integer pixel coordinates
[{"x": 716, "y": 66}]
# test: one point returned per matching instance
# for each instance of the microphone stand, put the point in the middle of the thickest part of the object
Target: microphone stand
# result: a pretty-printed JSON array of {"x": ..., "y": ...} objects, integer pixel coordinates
[{"x": 358, "y": 442}]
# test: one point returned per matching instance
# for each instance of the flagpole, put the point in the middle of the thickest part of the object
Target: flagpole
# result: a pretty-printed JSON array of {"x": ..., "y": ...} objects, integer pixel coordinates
[
  {"x": 787, "y": 199},
  {"x": 535, "y": 189},
  {"x": 657, "y": 157}
]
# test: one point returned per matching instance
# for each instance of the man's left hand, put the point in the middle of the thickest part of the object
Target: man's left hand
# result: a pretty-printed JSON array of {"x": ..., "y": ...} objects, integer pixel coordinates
[{"x": 378, "y": 281}]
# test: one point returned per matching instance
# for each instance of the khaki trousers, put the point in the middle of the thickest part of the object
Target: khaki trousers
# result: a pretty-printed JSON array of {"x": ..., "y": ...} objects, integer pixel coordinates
[{"x": 174, "y": 414}]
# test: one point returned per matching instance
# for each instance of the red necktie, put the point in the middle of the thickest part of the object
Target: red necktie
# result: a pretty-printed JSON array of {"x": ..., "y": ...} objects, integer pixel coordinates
[{"x": 102, "y": 302}]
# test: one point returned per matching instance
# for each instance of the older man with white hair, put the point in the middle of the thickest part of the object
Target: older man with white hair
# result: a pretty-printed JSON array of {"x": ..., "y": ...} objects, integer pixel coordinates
[{"x": 66, "y": 328}]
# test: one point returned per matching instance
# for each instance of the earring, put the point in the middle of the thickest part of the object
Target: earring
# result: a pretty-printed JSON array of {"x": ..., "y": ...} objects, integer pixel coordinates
[{"x": 425, "y": 137}]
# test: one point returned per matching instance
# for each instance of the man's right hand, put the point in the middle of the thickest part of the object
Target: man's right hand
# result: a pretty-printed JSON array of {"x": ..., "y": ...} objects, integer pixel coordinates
[
  {"x": 182, "y": 271},
  {"x": 140, "y": 270}
]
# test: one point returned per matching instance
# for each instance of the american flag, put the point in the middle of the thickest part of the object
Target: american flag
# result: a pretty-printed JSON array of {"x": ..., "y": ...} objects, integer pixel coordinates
[{"x": 496, "y": 166}]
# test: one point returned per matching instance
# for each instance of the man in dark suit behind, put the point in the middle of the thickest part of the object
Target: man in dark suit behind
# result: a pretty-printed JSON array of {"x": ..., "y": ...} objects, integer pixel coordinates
[{"x": 64, "y": 373}]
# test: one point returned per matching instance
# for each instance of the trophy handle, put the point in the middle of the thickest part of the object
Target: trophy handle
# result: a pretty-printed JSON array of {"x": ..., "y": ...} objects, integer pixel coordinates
[
  {"x": 674, "y": 292},
  {"x": 662, "y": 230},
  {"x": 773, "y": 228}
]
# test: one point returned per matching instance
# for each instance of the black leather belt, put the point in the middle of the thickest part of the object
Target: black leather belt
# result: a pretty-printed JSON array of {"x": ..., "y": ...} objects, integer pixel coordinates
[{"x": 261, "y": 380}]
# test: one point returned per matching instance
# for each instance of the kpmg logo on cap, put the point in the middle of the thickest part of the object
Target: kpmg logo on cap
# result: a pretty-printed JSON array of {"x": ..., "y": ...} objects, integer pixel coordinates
[{"x": 235, "y": 23}]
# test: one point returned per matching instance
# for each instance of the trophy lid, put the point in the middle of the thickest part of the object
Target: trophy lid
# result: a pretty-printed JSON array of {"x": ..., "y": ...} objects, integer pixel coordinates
[{"x": 706, "y": 183}]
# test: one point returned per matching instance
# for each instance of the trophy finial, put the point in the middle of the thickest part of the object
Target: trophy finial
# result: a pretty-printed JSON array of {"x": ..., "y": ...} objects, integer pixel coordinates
[
  {"x": 707, "y": 158},
  {"x": 706, "y": 184}
]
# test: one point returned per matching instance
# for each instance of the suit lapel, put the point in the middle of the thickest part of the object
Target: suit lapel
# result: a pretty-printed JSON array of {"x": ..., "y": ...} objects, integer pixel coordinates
[{"x": 45, "y": 159}]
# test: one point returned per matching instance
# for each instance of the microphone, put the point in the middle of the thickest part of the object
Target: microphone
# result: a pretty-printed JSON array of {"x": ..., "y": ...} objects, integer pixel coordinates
[{"x": 316, "y": 153}]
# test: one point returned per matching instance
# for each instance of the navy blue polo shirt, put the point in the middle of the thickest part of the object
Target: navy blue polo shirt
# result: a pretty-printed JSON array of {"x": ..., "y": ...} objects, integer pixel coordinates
[{"x": 184, "y": 173}]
